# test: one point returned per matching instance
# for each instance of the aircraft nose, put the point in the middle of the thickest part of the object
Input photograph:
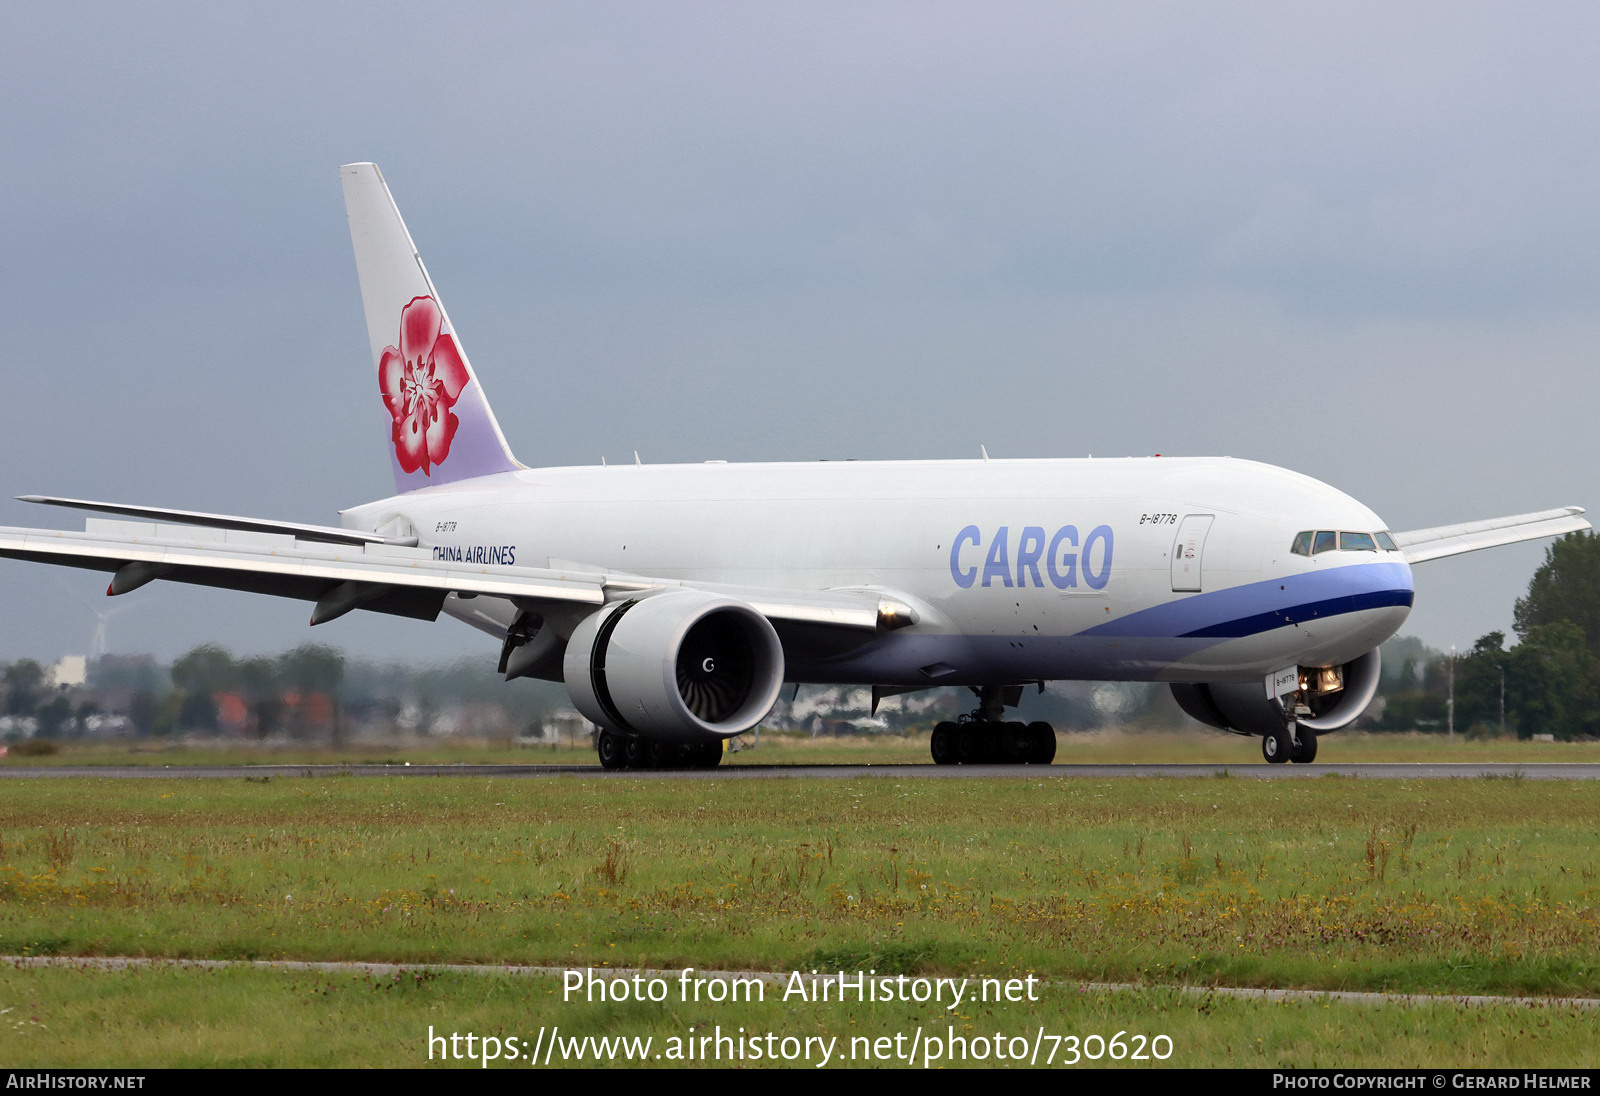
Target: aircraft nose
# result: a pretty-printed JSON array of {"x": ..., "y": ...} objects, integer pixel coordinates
[
  {"x": 1379, "y": 597},
  {"x": 1379, "y": 585}
]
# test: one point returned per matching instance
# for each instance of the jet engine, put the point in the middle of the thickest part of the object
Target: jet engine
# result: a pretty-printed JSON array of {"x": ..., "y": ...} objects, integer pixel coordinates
[
  {"x": 1330, "y": 697},
  {"x": 679, "y": 666}
]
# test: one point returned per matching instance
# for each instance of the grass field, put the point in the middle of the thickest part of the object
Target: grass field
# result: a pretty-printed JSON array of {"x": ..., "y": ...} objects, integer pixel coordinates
[
  {"x": 243, "y": 1017},
  {"x": 1468, "y": 886}
]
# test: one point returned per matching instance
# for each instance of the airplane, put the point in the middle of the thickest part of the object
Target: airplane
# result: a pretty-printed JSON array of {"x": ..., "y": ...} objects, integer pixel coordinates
[{"x": 675, "y": 601}]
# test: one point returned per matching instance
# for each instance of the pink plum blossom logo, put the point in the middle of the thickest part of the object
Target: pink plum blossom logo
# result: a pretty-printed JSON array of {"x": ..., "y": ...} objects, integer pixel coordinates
[{"x": 421, "y": 380}]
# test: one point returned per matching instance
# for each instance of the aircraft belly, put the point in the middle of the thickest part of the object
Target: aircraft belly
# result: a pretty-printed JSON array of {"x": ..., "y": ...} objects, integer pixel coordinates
[
  {"x": 934, "y": 660},
  {"x": 929, "y": 660},
  {"x": 1234, "y": 633}
]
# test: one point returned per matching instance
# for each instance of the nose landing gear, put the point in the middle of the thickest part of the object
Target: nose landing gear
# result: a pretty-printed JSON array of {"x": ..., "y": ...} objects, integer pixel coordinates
[{"x": 1292, "y": 742}]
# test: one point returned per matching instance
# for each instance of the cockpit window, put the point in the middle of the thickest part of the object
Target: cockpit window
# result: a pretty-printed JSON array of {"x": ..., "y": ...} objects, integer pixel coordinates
[{"x": 1311, "y": 543}]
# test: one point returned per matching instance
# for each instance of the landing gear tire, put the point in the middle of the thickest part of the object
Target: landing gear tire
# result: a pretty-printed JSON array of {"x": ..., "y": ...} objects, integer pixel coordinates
[
  {"x": 660, "y": 755},
  {"x": 1041, "y": 743},
  {"x": 970, "y": 744},
  {"x": 1016, "y": 745},
  {"x": 1306, "y": 752},
  {"x": 610, "y": 746},
  {"x": 982, "y": 742},
  {"x": 633, "y": 752},
  {"x": 1275, "y": 747}
]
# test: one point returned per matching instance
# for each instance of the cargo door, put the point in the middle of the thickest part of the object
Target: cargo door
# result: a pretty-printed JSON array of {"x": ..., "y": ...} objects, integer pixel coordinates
[{"x": 1187, "y": 551}]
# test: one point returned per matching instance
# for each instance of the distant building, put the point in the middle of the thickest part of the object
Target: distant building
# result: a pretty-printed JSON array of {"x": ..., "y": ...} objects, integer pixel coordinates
[
  {"x": 71, "y": 672},
  {"x": 564, "y": 725}
]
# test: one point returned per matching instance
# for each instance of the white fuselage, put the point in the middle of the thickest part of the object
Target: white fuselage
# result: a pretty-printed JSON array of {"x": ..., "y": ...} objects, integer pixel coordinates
[{"x": 1018, "y": 569}]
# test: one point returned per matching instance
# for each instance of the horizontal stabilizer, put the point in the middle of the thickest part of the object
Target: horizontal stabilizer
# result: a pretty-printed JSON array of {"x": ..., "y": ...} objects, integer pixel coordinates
[
  {"x": 320, "y": 533},
  {"x": 1421, "y": 545}
]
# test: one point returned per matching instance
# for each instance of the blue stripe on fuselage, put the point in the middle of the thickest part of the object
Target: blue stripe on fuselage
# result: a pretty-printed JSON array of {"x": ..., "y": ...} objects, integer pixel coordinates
[{"x": 1262, "y": 606}]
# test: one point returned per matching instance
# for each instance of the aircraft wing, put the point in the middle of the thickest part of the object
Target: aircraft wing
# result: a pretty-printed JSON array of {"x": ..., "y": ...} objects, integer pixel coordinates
[
  {"x": 386, "y": 577},
  {"x": 1421, "y": 545},
  {"x": 222, "y": 521}
]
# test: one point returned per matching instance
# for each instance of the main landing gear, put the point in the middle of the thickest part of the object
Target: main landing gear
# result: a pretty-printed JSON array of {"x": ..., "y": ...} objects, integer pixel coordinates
[
  {"x": 632, "y": 751},
  {"x": 1291, "y": 742},
  {"x": 984, "y": 737}
]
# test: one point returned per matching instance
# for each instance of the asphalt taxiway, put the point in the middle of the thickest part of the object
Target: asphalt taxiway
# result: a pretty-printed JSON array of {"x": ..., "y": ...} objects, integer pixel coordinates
[{"x": 1258, "y": 771}]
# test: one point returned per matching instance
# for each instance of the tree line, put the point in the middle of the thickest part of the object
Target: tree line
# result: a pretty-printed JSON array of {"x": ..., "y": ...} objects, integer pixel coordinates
[{"x": 310, "y": 691}]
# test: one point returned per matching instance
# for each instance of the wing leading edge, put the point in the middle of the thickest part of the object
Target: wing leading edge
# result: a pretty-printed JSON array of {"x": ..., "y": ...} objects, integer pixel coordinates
[
  {"x": 1421, "y": 545},
  {"x": 388, "y": 578}
]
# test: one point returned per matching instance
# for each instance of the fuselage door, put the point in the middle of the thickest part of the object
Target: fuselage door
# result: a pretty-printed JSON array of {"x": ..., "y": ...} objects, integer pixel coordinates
[{"x": 1187, "y": 550}]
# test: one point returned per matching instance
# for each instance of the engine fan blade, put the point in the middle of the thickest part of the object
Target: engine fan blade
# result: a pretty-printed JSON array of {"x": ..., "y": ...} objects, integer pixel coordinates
[{"x": 714, "y": 673}]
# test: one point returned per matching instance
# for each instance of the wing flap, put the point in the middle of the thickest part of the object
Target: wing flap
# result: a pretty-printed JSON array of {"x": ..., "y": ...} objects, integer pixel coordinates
[{"x": 1421, "y": 545}]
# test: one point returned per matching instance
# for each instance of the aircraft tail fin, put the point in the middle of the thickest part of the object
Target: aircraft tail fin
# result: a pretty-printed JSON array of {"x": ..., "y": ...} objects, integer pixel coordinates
[{"x": 441, "y": 428}]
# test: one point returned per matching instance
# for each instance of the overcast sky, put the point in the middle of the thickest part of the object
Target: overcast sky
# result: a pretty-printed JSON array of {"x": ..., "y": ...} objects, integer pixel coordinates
[{"x": 1359, "y": 241}]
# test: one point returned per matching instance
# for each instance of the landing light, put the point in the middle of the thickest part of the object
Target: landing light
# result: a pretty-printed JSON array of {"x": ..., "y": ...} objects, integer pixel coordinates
[{"x": 894, "y": 614}]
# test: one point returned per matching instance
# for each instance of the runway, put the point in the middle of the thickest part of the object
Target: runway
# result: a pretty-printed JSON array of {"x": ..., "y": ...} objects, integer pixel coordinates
[{"x": 1257, "y": 771}]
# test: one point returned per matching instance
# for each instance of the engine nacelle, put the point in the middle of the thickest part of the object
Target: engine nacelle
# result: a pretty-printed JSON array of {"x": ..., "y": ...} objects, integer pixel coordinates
[
  {"x": 1246, "y": 709},
  {"x": 681, "y": 666}
]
